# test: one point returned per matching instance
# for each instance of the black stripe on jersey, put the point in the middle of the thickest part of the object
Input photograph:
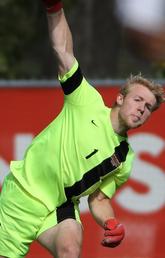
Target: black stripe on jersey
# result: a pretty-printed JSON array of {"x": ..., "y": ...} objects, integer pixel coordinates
[
  {"x": 66, "y": 211},
  {"x": 93, "y": 176},
  {"x": 73, "y": 82}
]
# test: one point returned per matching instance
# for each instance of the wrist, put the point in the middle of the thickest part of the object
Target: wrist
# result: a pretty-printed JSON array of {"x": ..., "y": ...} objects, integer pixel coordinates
[{"x": 53, "y": 6}]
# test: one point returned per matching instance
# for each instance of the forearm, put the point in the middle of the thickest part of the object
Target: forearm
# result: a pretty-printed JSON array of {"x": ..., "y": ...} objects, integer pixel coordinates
[
  {"x": 100, "y": 207},
  {"x": 103, "y": 213},
  {"x": 61, "y": 40}
]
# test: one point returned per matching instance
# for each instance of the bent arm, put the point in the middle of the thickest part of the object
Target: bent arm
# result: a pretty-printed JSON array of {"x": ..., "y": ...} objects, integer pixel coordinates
[
  {"x": 100, "y": 207},
  {"x": 103, "y": 213},
  {"x": 61, "y": 41}
]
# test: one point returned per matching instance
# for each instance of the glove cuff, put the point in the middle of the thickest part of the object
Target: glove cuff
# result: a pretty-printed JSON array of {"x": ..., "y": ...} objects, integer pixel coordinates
[
  {"x": 53, "y": 6},
  {"x": 111, "y": 223}
]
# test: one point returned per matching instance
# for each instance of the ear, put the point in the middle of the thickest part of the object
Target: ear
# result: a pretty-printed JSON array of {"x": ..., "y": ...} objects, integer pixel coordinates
[{"x": 120, "y": 99}]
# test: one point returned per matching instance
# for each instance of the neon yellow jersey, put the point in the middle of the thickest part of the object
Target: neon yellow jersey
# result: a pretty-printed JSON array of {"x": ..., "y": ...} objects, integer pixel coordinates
[{"x": 78, "y": 152}]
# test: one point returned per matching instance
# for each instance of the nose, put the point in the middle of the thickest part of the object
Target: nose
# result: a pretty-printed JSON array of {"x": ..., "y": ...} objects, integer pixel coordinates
[{"x": 141, "y": 108}]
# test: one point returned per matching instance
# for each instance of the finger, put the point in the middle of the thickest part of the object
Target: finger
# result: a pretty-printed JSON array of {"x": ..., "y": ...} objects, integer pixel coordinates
[
  {"x": 119, "y": 230},
  {"x": 113, "y": 239},
  {"x": 109, "y": 243}
]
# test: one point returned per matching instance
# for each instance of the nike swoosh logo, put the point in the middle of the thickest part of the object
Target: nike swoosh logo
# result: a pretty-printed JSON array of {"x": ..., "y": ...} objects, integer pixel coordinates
[{"x": 93, "y": 122}]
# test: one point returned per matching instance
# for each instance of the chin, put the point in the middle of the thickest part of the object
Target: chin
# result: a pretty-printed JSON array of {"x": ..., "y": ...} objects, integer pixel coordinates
[
  {"x": 133, "y": 125},
  {"x": 137, "y": 125}
]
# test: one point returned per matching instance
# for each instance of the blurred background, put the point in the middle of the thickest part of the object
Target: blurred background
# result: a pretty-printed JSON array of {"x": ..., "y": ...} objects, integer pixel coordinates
[{"x": 112, "y": 39}]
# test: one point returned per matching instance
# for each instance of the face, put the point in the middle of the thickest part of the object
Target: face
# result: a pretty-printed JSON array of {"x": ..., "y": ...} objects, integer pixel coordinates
[{"x": 136, "y": 107}]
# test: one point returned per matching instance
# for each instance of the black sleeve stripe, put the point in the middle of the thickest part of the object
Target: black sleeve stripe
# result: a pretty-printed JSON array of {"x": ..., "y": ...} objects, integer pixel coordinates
[
  {"x": 73, "y": 82},
  {"x": 66, "y": 211}
]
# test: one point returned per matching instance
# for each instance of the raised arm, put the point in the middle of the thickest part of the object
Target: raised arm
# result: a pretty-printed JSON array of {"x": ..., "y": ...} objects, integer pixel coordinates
[{"x": 60, "y": 35}]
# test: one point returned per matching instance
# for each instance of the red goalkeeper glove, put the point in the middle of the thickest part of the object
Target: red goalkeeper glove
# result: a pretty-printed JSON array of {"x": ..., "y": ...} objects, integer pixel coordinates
[
  {"x": 114, "y": 233},
  {"x": 52, "y": 6}
]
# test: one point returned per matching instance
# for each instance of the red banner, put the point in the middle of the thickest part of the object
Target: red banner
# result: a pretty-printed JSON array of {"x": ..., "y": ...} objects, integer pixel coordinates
[{"x": 139, "y": 204}]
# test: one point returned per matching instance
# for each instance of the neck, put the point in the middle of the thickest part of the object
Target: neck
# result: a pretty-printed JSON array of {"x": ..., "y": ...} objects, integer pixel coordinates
[{"x": 117, "y": 124}]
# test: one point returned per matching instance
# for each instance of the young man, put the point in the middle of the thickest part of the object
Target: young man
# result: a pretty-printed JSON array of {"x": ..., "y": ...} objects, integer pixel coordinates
[{"x": 84, "y": 151}]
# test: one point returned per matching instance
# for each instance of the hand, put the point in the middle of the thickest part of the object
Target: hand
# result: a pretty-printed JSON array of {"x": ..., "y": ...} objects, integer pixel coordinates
[
  {"x": 53, "y": 6},
  {"x": 114, "y": 233}
]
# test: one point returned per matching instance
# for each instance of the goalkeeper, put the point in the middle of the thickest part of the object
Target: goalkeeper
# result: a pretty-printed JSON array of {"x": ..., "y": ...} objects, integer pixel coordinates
[{"x": 84, "y": 151}]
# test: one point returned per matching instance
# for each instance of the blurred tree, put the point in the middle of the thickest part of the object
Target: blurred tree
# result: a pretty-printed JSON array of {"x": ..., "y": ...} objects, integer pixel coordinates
[
  {"x": 97, "y": 37},
  {"x": 18, "y": 40},
  {"x": 24, "y": 45}
]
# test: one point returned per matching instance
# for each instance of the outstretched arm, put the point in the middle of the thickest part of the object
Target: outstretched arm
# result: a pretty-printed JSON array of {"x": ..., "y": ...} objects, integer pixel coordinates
[
  {"x": 60, "y": 35},
  {"x": 103, "y": 213}
]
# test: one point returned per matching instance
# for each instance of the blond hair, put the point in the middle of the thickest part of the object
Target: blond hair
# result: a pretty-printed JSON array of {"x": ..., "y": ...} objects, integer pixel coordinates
[{"x": 155, "y": 88}]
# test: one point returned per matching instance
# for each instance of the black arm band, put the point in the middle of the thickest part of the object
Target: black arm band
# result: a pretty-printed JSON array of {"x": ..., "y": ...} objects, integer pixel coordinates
[{"x": 73, "y": 82}]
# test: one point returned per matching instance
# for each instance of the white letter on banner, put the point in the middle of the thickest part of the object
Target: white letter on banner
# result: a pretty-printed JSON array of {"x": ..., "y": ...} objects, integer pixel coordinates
[
  {"x": 21, "y": 142},
  {"x": 4, "y": 169},
  {"x": 146, "y": 173}
]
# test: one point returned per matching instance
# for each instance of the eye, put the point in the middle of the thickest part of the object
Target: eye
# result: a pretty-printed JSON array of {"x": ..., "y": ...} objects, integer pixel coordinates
[
  {"x": 137, "y": 99},
  {"x": 149, "y": 107}
]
